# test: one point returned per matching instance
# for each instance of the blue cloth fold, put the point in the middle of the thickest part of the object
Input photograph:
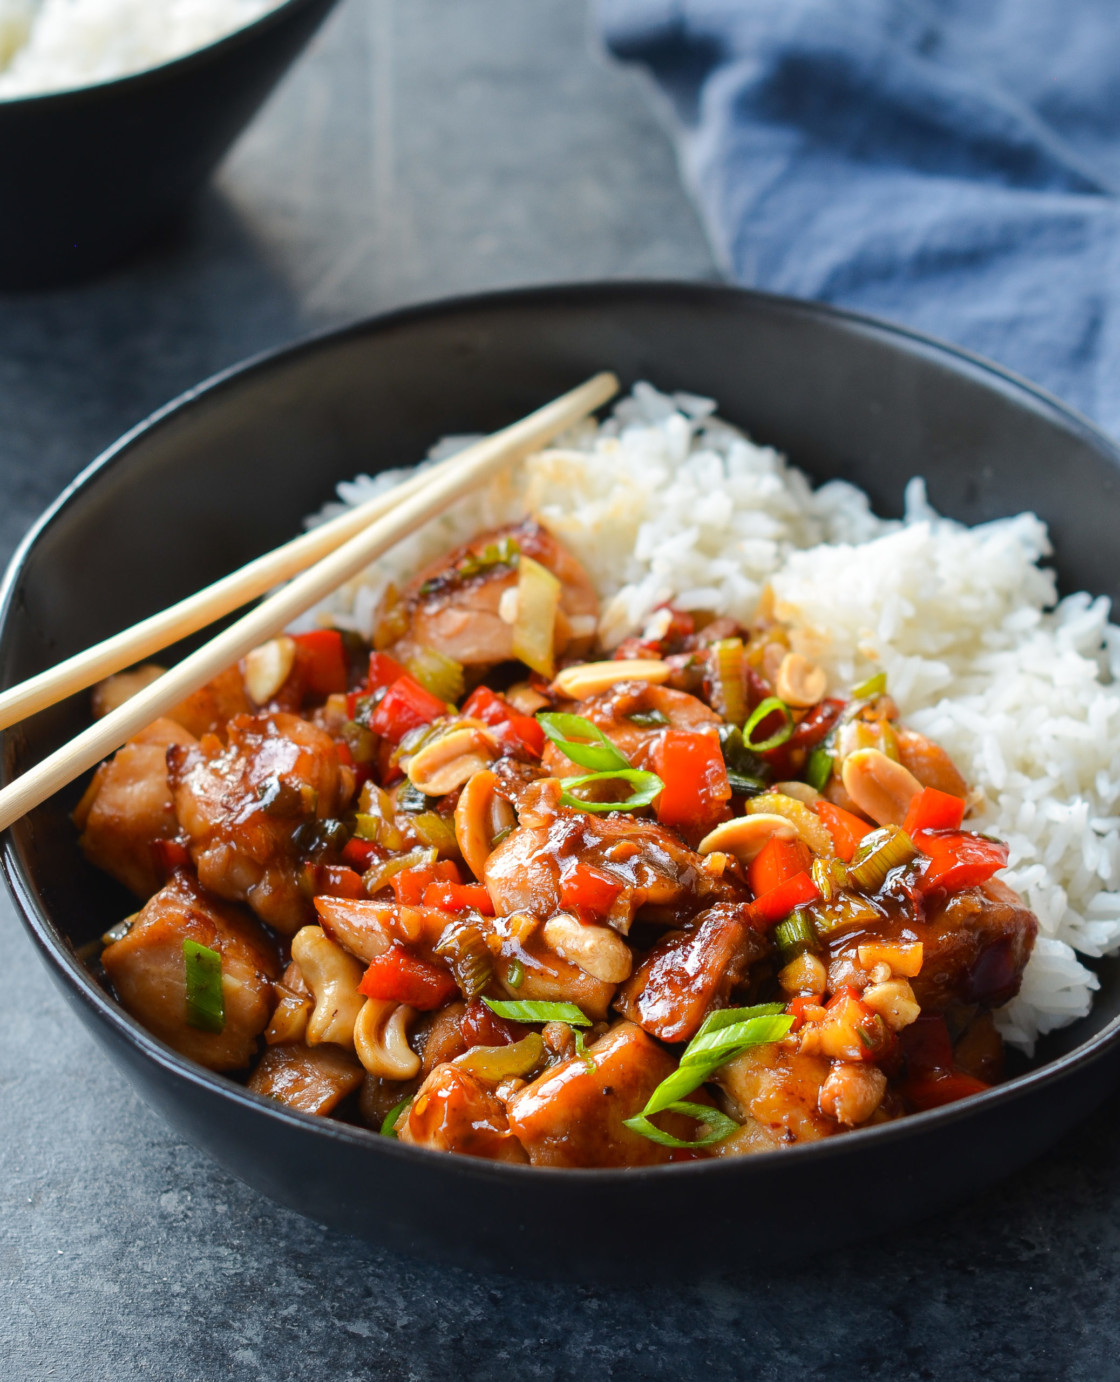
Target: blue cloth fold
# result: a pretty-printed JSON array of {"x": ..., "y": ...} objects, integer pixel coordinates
[{"x": 950, "y": 164}]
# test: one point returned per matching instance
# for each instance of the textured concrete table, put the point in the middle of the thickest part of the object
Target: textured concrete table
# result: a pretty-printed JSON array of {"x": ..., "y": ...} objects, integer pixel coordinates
[{"x": 422, "y": 148}]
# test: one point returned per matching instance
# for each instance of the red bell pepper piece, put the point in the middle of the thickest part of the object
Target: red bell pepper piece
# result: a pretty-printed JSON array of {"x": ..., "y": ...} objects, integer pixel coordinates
[
  {"x": 480, "y": 1027},
  {"x": 383, "y": 672},
  {"x": 410, "y": 885},
  {"x": 940, "y": 1087},
  {"x": 518, "y": 731},
  {"x": 696, "y": 787},
  {"x": 796, "y": 1008},
  {"x": 405, "y": 978},
  {"x": 933, "y": 810},
  {"x": 170, "y": 855},
  {"x": 588, "y": 891},
  {"x": 780, "y": 901},
  {"x": 360, "y": 854},
  {"x": 777, "y": 861},
  {"x": 487, "y": 706},
  {"x": 815, "y": 726},
  {"x": 459, "y": 897},
  {"x": 846, "y": 829},
  {"x": 958, "y": 859},
  {"x": 337, "y": 880},
  {"x": 322, "y": 659},
  {"x": 406, "y": 705}
]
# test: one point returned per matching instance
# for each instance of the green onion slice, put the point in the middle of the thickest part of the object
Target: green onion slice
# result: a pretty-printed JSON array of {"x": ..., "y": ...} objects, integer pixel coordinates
[
  {"x": 647, "y": 786},
  {"x": 795, "y": 934},
  {"x": 515, "y": 974},
  {"x": 819, "y": 769},
  {"x": 527, "y": 1010},
  {"x": 763, "y": 711},
  {"x": 648, "y": 719},
  {"x": 206, "y": 1007},
  {"x": 600, "y": 755},
  {"x": 718, "y": 1124},
  {"x": 873, "y": 686},
  {"x": 724, "y": 1035},
  {"x": 389, "y": 1123},
  {"x": 585, "y": 1055}
]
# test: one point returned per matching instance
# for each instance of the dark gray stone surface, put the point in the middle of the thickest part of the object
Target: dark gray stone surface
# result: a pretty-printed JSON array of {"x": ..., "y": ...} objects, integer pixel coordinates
[{"x": 422, "y": 148}]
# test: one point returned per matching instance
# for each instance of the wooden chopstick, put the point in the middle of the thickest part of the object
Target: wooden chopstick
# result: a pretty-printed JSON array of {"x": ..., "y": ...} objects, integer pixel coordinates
[
  {"x": 454, "y": 478},
  {"x": 178, "y": 621}
]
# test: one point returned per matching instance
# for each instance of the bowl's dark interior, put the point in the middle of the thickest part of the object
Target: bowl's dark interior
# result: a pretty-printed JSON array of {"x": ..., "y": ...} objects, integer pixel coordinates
[
  {"x": 89, "y": 175},
  {"x": 231, "y": 473}
]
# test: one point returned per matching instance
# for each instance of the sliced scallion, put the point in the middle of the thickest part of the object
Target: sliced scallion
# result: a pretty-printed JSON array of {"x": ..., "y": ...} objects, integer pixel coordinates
[
  {"x": 528, "y": 1010},
  {"x": 590, "y": 747},
  {"x": 727, "y": 654},
  {"x": 723, "y": 1036},
  {"x": 819, "y": 769},
  {"x": 646, "y": 786},
  {"x": 718, "y": 1124},
  {"x": 206, "y": 1009},
  {"x": 389, "y": 1122},
  {"x": 879, "y": 852},
  {"x": 585, "y": 1055},
  {"x": 770, "y": 706},
  {"x": 795, "y": 935},
  {"x": 648, "y": 719},
  {"x": 515, "y": 974},
  {"x": 873, "y": 686}
]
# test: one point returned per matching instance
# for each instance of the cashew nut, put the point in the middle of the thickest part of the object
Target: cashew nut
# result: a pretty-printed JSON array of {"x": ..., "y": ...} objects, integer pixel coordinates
[
  {"x": 591, "y": 678},
  {"x": 381, "y": 1039},
  {"x": 268, "y": 667},
  {"x": 745, "y": 835},
  {"x": 333, "y": 977},
  {"x": 450, "y": 760},
  {"x": 895, "y": 1003},
  {"x": 800, "y": 682},
  {"x": 597, "y": 950},
  {"x": 799, "y": 791},
  {"x": 880, "y": 787},
  {"x": 481, "y": 814}
]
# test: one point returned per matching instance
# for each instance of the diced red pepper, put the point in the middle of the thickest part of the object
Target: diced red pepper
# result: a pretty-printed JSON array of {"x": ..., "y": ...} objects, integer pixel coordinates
[
  {"x": 815, "y": 726},
  {"x": 777, "y": 861},
  {"x": 170, "y": 855},
  {"x": 402, "y": 977},
  {"x": 780, "y": 901},
  {"x": 410, "y": 885},
  {"x": 942, "y": 1087},
  {"x": 636, "y": 649},
  {"x": 958, "y": 859},
  {"x": 518, "y": 731},
  {"x": 933, "y": 810},
  {"x": 796, "y": 1007},
  {"x": 487, "y": 706},
  {"x": 480, "y": 1027},
  {"x": 588, "y": 891},
  {"x": 696, "y": 787},
  {"x": 406, "y": 705},
  {"x": 383, "y": 672},
  {"x": 337, "y": 880},
  {"x": 845, "y": 828},
  {"x": 322, "y": 658},
  {"x": 526, "y": 733},
  {"x": 459, "y": 897},
  {"x": 360, "y": 854}
]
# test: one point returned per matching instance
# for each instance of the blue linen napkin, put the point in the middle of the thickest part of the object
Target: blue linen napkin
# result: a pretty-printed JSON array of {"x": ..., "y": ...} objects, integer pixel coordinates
[{"x": 950, "y": 164}]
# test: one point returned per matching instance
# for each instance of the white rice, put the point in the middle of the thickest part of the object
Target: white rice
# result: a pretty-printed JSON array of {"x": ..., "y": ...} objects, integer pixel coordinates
[
  {"x": 56, "y": 45},
  {"x": 664, "y": 501}
]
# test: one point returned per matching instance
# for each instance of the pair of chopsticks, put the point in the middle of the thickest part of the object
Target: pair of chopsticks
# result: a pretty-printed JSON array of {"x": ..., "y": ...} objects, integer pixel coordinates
[{"x": 327, "y": 557}]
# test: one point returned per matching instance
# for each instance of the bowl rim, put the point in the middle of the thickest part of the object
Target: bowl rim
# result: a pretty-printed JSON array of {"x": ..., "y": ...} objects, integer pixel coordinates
[
  {"x": 69, "y": 970},
  {"x": 161, "y": 71}
]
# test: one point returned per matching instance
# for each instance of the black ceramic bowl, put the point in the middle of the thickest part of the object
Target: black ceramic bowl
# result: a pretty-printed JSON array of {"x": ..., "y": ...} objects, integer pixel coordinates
[
  {"x": 228, "y": 471},
  {"x": 91, "y": 174}
]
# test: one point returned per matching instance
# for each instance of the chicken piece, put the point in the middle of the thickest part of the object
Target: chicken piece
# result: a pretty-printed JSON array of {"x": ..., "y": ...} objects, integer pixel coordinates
[
  {"x": 128, "y": 807},
  {"x": 655, "y": 873},
  {"x": 456, "y": 1112},
  {"x": 455, "y": 606},
  {"x": 114, "y": 691},
  {"x": 976, "y": 944},
  {"x": 211, "y": 707},
  {"x": 690, "y": 973},
  {"x": 573, "y": 1114},
  {"x": 313, "y": 1079},
  {"x": 242, "y": 804},
  {"x": 611, "y": 712},
  {"x": 780, "y": 1090},
  {"x": 148, "y": 971}
]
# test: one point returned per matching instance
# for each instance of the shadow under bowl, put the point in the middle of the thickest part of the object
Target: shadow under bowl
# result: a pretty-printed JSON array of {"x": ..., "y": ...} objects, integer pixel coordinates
[
  {"x": 228, "y": 471},
  {"x": 90, "y": 175}
]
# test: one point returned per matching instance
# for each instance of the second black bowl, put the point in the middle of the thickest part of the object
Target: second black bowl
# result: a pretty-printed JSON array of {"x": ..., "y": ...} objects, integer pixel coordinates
[
  {"x": 89, "y": 175},
  {"x": 229, "y": 471}
]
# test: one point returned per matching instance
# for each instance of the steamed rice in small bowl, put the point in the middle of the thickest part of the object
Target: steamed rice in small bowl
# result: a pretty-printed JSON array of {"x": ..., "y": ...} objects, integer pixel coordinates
[{"x": 665, "y": 502}]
